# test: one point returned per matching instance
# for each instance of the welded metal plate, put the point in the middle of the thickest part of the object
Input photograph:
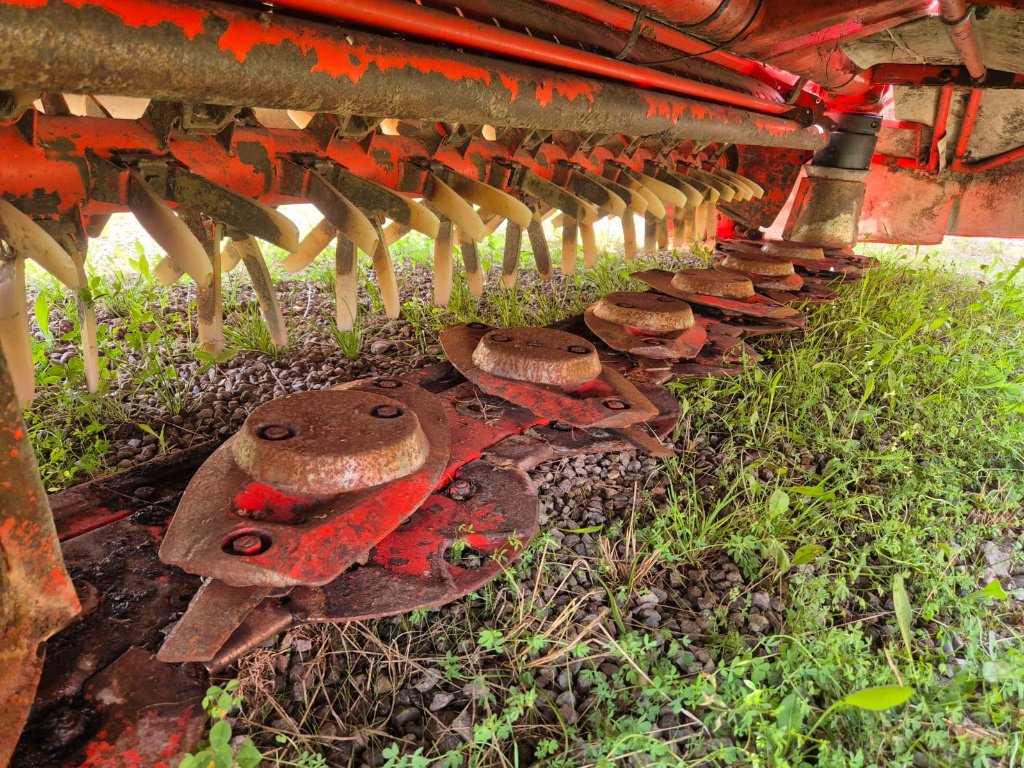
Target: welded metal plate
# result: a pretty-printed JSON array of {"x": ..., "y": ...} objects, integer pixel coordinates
[
  {"x": 455, "y": 543},
  {"x": 606, "y": 401},
  {"x": 235, "y": 528},
  {"x": 756, "y": 306}
]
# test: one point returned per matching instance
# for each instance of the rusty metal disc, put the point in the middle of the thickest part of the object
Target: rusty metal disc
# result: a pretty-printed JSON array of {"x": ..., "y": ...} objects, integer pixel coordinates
[
  {"x": 758, "y": 263},
  {"x": 755, "y": 306},
  {"x": 537, "y": 355},
  {"x": 454, "y": 544},
  {"x": 233, "y": 527},
  {"x": 330, "y": 441},
  {"x": 673, "y": 345},
  {"x": 644, "y": 311},
  {"x": 725, "y": 283},
  {"x": 605, "y": 401},
  {"x": 791, "y": 249}
]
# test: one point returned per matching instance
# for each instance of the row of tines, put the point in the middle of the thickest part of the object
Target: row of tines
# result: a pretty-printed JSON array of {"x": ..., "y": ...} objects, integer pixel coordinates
[{"x": 371, "y": 190}]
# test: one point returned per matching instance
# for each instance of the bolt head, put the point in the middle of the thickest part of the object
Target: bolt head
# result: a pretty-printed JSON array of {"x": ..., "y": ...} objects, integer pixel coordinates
[{"x": 247, "y": 544}]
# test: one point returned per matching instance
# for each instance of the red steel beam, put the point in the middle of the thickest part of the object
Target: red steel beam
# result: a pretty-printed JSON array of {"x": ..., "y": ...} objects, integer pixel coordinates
[
  {"x": 959, "y": 21},
  {"x": 409, "y": 19},
  {"x": 239, "y": 57}
]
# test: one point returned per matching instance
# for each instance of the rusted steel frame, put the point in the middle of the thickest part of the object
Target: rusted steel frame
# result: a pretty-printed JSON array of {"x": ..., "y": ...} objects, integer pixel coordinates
[
  {"x": 966, "y": 129},
  {"x": 940, "y": 75},
  {"x": 959, "y": 19},
  {"x": 425, "y": 23},
  {"x": 587, "y": 23},
  {"x": 152, "y": 487},
  {"x": 625, "y": 19},
  {"x": 37, "y": 597},
  {"x": 327, "y": 69},
  {"x": 939, "y": 128}
]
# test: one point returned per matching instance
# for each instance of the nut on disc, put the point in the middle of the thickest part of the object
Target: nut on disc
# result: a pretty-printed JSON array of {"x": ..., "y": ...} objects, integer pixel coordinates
[
  {"x": 330, "y": 441},
  {"x": 725, "y": 283},
  {"x": 537, "y": 355},
  {"x": 793, "y": 250},
  {"x": 758, "y": 264},
  {"x": 650, "y": 312}
]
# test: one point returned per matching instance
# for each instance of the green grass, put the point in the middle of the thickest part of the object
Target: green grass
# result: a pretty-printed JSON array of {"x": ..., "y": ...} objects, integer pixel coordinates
[
  {"x": 857, "y": 473},
  {"x": 909, "y": 392}
]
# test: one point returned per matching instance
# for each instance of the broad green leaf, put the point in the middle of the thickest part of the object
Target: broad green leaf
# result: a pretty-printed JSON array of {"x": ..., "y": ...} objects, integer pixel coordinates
[
  {"x": 904, "y": 614},
  {"x": 790, "y": 714},
  {"x": 248, "y": 756},
  {"x": 222, "y": 758},
  {"x": 813, "y": 491},
  {"x": 778, "y": 503},
  {"x": 993, "y": 589},
  {"x": 806, "y": 553},
  {"x": 777, "y": 552},
  {"x": 42, "y": 308},
  {"x": 220, "y": 734},
  {"x": 879, "y": 698}
]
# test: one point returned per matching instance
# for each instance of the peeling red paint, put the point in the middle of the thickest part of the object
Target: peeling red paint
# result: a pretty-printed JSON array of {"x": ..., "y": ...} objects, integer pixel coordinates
[
  {"x": 148, "y": 14},
  {"x": 243, "y": 35},
  {"x": 569, "y": 90}
]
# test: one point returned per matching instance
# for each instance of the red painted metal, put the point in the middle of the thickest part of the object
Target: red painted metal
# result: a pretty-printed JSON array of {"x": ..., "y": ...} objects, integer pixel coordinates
[
  {"x": 970, "y": 118},
  {"x": 939, "y": 127},
  {"x": 625, "y": 19},
  {"x": 410, "y": 19},
  {"x": 939, "y": 74},
  {"x": 959, "y": 20}
]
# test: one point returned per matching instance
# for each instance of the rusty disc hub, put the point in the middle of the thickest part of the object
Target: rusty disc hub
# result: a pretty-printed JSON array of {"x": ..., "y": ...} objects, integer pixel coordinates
[
  {"x": 714, "y": 282},
  {"x": 603, "y": 400},
  {"x": 330, "y": 441},
  {"x": 648, "y": 312},
  {"x": 537, "y": 355},
  {"x": 323, "y": 472},
  {"x": 758, "y": 263}
]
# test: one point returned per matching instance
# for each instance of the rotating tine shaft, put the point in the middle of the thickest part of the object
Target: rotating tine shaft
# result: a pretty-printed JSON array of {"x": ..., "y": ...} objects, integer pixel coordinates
[
  {"x": 490, "y": 199},
  {"x": 596, "y": 193},
  {"x": 185, "y": 253},
  {"x": 33, "y": 242},
  {"x": 209, "y": 304},
  {"x": 263, "y": 287},
  {"x": 691, "y": 192},
  {"x": 313, "y": 244},
  {"x": 385, "y": 271},
  {"x": 343, "y": 213},
  {"x": 541, "y": 252},
  {"x": 382, "y": 201},
  {"x": 451, "y": 205},
  {"x": 223, "y": 204},
  {"x": 471, "y": 261},
  {"x": 15, "y": 338},
  {"x": 345, "y": 284},
  {"x": 655, "y": 206}
]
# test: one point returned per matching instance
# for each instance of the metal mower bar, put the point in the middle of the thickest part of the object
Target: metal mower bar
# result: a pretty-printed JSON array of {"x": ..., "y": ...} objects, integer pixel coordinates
[{"x": 784, "y": 132}]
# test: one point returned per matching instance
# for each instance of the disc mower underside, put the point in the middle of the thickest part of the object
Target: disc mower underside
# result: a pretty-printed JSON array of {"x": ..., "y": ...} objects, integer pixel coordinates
[{"x": 777, "y": 134}]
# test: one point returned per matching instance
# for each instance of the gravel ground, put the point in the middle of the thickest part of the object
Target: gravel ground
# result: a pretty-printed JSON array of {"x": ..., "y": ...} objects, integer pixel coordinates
[{"x": 425, "y": 681}]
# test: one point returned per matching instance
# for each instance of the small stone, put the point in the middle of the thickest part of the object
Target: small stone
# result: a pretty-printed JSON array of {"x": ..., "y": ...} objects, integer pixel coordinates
[
  {"x": 999, "y": 559},
  {"x": 407, "y": 715},
  {"x": 757, "y": 623},
  {"x": 761, "y": 601},
  {"x": 429, "y": 681},
  {"x": 440, "y": 701}
]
